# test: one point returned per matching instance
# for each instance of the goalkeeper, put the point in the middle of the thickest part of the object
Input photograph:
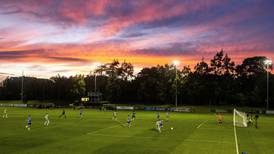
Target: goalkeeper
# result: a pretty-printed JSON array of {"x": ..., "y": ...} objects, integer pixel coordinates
[{"x": 219, "y": 118}]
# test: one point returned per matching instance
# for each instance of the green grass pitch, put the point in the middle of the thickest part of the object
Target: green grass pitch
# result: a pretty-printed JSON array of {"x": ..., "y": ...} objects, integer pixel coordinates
[{"x": 98, "y": 133}]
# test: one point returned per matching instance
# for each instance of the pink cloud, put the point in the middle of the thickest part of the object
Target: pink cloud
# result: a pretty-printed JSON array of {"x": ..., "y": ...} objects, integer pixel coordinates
[{"x": 35, "y": 24}]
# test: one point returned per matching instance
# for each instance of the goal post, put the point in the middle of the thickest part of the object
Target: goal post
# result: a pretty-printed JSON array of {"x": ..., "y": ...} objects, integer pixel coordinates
[{"x": 239, "y": 118}]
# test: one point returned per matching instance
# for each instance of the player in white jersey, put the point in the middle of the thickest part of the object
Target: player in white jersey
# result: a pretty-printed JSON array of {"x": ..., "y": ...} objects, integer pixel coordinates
[
  {"x": 5, "y": 113},
  {"x": 159, "y": 125},
  {"x": 46, "y": 123},
  {"x": 114, "y": 115}
]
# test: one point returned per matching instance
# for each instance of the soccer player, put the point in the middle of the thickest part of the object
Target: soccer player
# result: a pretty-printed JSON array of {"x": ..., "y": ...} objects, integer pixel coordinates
[
  {"x": 5, "y": 114},
  {"x": 159, "y": 125},
  {"x": 46, "y": 123},
  {"x": 219, "y": 118},
  {"x": 158, "y": 116},
  {"x": 167, "y": 116},
  {"x": 29, "y": 122},
  {"x": 63, "y": 114},
  {"x": 133, "y": 115},
  {"x": 128, "y": 121},
  {"x": 114, "y": 115},
  {"x": 249, "y": 118},
  {"x": 81, "y": 113},
  {"x": 256, "y": 120}
]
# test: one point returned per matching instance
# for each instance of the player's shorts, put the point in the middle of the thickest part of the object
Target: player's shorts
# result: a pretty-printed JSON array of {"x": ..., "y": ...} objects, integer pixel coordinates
[
  {"x": 29, "y": 123},
  {"x": 133, "y": 116},
  {"x": 128, "y": 122}
]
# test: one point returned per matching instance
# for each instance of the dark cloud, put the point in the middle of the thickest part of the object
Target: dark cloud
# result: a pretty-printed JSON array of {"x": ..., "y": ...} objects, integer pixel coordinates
[
  {"x": 170, "y": 50},
  {"x": 132, "y": 34},
  {"x": 37, "y": 53},
  {"x": 4, "y": 55},
  {"x": 68, "y": 59}
]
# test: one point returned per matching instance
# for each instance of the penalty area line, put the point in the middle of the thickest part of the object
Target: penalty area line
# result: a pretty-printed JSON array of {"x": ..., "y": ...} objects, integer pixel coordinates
[{"x": 201, "y": 124}]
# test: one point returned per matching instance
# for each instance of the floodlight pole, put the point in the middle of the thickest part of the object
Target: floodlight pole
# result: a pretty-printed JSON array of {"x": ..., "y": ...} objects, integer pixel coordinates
[
  {"x": 267, "y": 87},
  {"x": 95, "y": 65},
  {"x": 176, "y": 63},
  {"x": 22, "y": 87},
  {"x": 267, "y": 63},
  {"x": 176, "y": 98},
  {"x": 95, "y": 81}
]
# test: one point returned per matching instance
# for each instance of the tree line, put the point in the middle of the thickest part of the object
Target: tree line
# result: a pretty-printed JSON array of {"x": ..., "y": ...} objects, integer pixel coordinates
[{"x": 220, "y": 82}]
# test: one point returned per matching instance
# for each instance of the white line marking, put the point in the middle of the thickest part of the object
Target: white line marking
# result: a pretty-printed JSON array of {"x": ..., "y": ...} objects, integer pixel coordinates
[
  {"x": 201, "y": 124},
  {"x": 235, "y": 133},
  {"x": 102, "y": 129}
]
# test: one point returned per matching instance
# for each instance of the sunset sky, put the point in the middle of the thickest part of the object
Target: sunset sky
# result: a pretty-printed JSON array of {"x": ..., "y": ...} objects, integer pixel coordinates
[{"x": 50, "y": 37}]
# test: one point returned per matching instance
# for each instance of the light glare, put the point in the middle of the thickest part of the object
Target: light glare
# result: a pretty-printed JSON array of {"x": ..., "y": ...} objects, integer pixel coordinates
[
  {"x": 176, "y": 62},
  {"x": 268, "y": 62}
]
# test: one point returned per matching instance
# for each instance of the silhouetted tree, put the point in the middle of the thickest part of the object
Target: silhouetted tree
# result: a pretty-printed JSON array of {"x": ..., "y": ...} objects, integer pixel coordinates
[{"x": 220, "y": 83}]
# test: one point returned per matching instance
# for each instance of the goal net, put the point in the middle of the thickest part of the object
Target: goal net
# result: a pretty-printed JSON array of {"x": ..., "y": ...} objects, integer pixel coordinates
[{"x": 239, "y": 118}]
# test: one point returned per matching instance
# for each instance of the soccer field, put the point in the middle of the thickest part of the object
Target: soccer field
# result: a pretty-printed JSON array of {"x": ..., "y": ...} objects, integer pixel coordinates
[{"x": 98, "y": 133}]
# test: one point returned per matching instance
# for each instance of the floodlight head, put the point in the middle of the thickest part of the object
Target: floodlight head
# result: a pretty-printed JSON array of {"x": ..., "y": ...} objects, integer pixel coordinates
[
  {"x": 268, "y": 62},
  {"x": 176, "y": 62}
]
